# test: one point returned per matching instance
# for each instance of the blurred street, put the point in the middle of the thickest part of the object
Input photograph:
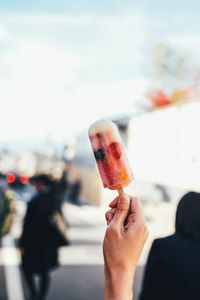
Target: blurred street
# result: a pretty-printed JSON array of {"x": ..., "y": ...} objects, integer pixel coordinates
[{"x": 80, "y": 275}]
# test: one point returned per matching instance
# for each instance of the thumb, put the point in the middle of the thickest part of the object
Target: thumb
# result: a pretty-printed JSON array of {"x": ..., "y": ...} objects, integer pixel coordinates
[{"x": 121, "y": 210}]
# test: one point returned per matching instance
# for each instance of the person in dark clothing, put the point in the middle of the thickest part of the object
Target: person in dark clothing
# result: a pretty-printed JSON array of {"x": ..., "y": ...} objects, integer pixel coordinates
[
  {"x": 75, "y": 192},
  {"x": 64, "y": 184},
  {"x": 39, "y": 252},
  {"x": 173, "y": 267}
]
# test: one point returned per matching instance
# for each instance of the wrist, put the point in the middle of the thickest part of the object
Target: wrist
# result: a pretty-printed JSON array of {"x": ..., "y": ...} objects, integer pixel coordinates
[{"x": 118, "y": 284}]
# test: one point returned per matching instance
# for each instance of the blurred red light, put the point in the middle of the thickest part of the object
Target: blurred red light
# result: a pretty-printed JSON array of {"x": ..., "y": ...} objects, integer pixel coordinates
[
  {"x": 10, "y": 177},
  {"x": 23, "y": 179}
]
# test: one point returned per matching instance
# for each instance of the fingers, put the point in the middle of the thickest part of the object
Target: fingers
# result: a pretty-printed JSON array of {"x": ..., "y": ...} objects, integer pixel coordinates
[
  {"x": 113, "y": 204},
  {"x": 136, "y": 221},
  {"x": 135, "y": 212},
  {"x": 109, "y": 215},
  {"x": 136, "y": 208},
  {"x": 122, "y": 210}
]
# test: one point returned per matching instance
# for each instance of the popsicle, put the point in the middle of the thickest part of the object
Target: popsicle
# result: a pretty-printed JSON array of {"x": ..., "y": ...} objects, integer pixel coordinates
[{"x": 111, "y": 158}]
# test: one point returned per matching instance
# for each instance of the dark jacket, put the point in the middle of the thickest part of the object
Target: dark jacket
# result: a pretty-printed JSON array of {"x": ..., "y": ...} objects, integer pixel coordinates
[
  {"x": 173, "y": 270},
  {"x": 40, "y": 253}
]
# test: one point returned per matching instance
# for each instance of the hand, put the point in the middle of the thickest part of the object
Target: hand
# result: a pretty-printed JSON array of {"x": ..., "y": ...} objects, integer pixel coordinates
[{"x": 124, "y": 240}]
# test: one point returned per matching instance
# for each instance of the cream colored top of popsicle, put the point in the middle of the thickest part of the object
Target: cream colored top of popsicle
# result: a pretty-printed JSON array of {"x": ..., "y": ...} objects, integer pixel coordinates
[{"x": 101, "y": 126}]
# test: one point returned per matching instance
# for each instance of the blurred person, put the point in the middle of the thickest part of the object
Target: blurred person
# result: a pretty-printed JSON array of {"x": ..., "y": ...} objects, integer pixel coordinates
[
  {"x": 123, "y": 242},
  {"x": 75, "y": 190},
  {"x": 40, "y": 237},
  {"x": 3, "y": 188},
  {"x": 7, "y": 207},
  {"x": 64, "y": 184},
  {"x": 7, "y": 211},
  {"x": 173, "y": 266}
]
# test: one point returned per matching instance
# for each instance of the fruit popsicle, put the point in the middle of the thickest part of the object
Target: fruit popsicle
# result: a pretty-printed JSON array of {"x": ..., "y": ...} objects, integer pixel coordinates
[{"x": 111, "y": 158}]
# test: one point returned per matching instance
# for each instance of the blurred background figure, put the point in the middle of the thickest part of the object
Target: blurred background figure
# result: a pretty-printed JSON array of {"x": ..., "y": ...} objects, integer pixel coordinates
[
  {"x": 74, "y": 192},
  {"x": 173, "y": 266},
  {"x": 7, "y": 207},
  {"x": 41, "y": 236},
  {"x": 64, "y": 185}
]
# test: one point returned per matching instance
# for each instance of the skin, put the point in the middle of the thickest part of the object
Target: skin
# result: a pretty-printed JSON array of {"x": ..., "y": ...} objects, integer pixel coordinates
[{"x": 124, "y": 240}]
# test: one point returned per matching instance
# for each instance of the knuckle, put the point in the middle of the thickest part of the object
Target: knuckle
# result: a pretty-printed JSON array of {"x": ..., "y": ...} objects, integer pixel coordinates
[
  {"x": 107, "y": 214},
  {"x": 113, "y": 230},
  {"x": 145, "y": 230},
  {"x": 138, "y": 203},
  {"x": 108, "y": 230},
  {"x": 142, "y": 227},
  {"x": 136, "y": 199}
]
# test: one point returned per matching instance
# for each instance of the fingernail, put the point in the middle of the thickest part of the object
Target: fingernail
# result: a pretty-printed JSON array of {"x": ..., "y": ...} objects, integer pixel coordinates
[{"x": 123, "y": 199}]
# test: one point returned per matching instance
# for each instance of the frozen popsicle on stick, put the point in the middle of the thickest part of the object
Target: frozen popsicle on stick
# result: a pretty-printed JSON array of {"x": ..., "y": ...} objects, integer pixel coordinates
[{"x": 111, "y": 158}]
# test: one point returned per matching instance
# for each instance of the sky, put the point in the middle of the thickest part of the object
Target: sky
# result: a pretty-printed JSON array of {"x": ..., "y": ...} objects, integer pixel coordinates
[{"x": 65, "y": 64}]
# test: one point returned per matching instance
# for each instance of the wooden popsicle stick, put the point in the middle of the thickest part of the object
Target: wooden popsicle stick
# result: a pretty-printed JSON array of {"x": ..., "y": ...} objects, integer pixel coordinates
[{"x": 120, "y": 191}]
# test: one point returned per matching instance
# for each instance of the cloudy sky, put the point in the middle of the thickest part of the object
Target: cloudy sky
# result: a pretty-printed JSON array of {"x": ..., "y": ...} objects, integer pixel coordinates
[{"x": 64, "y": 64}]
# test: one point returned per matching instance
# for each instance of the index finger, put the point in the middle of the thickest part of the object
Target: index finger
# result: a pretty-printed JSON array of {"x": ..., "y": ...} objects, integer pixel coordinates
[
  {"x": 136, "y": 207},
  {"x": 113, "y": 204}
]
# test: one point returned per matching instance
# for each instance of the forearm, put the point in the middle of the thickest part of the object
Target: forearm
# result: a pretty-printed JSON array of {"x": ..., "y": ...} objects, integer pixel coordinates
[{"x": 118, "y": 286}]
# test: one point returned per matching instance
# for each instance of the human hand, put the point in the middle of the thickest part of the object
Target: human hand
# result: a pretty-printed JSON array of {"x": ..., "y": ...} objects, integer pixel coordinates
[{"x": 124, "y": 240}]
